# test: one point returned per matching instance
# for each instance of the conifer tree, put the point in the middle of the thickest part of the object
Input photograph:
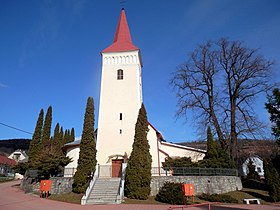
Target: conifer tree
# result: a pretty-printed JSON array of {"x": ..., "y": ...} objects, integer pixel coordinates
[
  {"x": 72, "y": 135},
  {"x": 212, "y": 147},
  {"x": 47, "y": 128},
  {"x": 215, "y": 156},
  {"x": 56, "y": 143},
  {"x": 252, "y": 173},
  {"x": 272, "y": 180},
  {"x": 35, "y": 144},
  {"x": 67, "y": 136},
  {"x": 87, "y": 156},
  {"x": 273, "y": 108},
  {"x": 61, "y": 136},
  {"x": 138, "y": 172}
]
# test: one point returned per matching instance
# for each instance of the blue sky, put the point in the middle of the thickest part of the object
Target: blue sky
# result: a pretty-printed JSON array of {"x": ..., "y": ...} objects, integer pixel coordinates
[{"x": 50, "y": 54}]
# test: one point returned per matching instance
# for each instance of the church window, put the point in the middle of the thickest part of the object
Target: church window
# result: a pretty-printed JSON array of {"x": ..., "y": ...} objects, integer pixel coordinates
[
  {"x": 120, "y": 131},
  {"x": 120, "y": 116},
  {"x": 120, "y": 74}
]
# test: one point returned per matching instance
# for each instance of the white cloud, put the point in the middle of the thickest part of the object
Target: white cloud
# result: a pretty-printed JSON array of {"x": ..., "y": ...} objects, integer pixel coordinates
[{"x": 2, "y": 85}]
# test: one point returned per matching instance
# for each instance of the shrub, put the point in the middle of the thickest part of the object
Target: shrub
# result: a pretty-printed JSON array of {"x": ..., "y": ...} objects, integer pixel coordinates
[
  {"x": 253, "y": 184},
  {"x": 171, "y": 193},
  {"x": 218, "y": 198},
  {"x": 272, "y": 180},
  {"x": 252, "y": 175},
  {"x": 138, "y": 171}
]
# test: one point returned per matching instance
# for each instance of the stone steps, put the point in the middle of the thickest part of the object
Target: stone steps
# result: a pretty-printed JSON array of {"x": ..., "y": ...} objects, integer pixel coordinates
[{"x": 105, "y": 191}]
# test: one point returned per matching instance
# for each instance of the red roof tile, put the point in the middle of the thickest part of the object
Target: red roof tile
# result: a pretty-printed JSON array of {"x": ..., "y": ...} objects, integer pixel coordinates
[
  {"x": 122, "y": 40},
  {"x": 7, "y": 161}
]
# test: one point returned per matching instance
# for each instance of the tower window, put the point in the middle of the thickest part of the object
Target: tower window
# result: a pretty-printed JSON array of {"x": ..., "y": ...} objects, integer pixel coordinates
[
  {"x": 120, "y": 131},
  {"x": 120, "y": 116},
  {"x": 120, "y": 74}
]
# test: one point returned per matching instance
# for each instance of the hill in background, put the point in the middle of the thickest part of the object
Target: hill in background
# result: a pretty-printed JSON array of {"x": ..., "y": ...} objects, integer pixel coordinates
[
  {"x": 10, "y": 145},
  {"x": 246, "y": 147}
]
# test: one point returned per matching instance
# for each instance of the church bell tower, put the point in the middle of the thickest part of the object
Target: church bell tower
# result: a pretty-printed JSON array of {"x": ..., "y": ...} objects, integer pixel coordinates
[{"x": 120, "y": 97}]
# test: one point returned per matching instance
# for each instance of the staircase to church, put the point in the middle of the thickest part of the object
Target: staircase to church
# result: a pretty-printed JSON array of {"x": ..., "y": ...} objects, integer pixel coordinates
[{"x": 105, "y": 191}]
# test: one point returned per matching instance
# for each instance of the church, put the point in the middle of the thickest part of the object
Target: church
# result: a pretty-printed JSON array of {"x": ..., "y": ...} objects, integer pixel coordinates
[{"x": 120, "y": 101}]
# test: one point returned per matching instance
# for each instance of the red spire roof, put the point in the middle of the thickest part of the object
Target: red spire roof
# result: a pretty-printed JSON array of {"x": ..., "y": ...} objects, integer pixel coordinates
[{"x": 122, "y": 40}]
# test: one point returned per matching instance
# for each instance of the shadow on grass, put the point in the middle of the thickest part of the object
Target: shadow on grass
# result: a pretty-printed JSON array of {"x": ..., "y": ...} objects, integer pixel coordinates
[{"x": 258, "y": 195}]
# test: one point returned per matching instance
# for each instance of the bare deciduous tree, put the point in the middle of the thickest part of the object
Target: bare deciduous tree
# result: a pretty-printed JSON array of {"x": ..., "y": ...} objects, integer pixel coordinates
[{"x": 219, "y": 83}]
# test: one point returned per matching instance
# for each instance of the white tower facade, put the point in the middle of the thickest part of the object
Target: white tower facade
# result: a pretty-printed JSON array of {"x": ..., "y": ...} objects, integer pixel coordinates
[{"x": 120, "y": 97}]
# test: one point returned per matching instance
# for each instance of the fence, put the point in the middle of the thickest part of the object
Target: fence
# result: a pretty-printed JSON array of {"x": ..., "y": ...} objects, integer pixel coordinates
[
  {"x": 106, "y": 171},
  {"x": 193, "y": 171},
  {"x": 69, "y": 172}
]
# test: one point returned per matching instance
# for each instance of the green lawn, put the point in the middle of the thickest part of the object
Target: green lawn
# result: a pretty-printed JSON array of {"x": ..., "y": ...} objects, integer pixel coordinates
[
  {"x": 239, "y": 195},
  {"x": 250, "y": 193},
  {"x": 67, "y": 197}
]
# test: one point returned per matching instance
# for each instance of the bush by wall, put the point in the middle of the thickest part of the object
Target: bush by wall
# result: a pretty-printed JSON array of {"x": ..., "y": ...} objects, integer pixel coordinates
[{"x": 171, "y": 193}]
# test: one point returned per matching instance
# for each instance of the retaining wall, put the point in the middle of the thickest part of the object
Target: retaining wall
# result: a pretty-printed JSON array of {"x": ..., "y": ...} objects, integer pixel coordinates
[
  {"x": 202, "y": 184},
  {"x": 59, "y": 185}
]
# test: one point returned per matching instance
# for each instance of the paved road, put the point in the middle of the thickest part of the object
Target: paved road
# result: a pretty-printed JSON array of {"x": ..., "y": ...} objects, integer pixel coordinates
[{"x": 12, "y": 198}]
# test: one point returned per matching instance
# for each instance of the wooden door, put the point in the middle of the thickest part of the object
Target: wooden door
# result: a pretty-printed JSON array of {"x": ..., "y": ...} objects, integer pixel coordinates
[{"x": 117, "y": 168}]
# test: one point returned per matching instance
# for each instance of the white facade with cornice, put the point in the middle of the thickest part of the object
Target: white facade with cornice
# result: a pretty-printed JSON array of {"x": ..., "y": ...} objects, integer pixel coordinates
[{"x": 120, "y": 101}]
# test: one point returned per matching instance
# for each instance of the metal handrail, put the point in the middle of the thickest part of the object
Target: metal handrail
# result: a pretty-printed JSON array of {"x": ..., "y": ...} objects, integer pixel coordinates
[
  {"x": 193, "y": 171},
  {"x": 120, "y": 195},
  {"x": 91, "y": 184}
]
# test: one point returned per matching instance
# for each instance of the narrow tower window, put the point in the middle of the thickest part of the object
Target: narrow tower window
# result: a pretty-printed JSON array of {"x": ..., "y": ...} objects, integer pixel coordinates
[
  {"x": 120, "y": 74},
  {"x": 120, "y": 116}
]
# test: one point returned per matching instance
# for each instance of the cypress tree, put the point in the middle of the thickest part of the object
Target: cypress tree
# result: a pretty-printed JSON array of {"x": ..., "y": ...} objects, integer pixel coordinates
[
  {"x": 212, "y": 148},
  {"x": 72, "y": 138},
  {"x": 87, "y": 155},
  {"x": 47, "y": 128},
  {"x": 67, "y": 136},
  {"x": 138, "y": 172},
  {"x": 61, "y": 136},
  {"x": 35, "y": 144},
  {"x": 56, "y": 143}
]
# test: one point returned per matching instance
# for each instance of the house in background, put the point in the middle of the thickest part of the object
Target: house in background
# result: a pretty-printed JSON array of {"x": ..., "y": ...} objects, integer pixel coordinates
[
  {"x": 19, "y": 156},
  {"x": 257, "y": 161},
  {"x": 6, "y": 165}
]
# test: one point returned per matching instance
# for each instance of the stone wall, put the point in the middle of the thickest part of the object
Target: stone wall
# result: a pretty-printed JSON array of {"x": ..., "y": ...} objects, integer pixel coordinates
[
  {"x": 202, "y": 184},
  {"x": 59, "y": 185}
]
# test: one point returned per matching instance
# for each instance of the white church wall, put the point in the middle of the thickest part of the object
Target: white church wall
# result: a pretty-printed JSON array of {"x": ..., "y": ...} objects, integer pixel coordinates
[
  {"x": 153, "y": 142},
  {"x": 118, "y": 97},
  {"x": 161, "y": 150},
  {"x": 73, "y": 153},
  {"x": 174, "y": 150}
]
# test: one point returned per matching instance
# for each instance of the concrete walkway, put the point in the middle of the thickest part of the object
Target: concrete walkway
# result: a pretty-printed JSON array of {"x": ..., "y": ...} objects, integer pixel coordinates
[{"x": 12, "y": 198}]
